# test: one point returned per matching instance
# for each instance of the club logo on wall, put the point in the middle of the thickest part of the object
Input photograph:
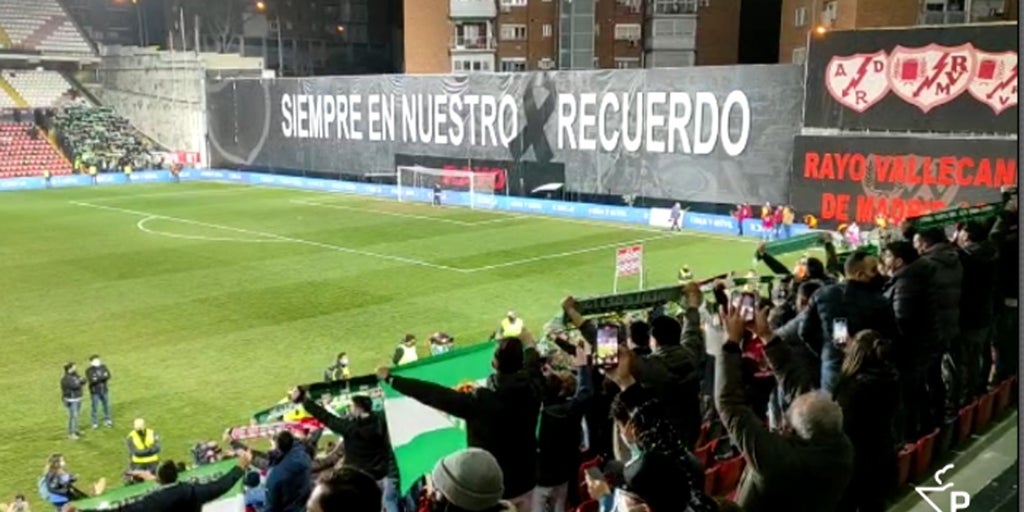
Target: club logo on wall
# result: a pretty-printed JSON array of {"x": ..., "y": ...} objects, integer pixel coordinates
[{"x": 926, "y": 77}]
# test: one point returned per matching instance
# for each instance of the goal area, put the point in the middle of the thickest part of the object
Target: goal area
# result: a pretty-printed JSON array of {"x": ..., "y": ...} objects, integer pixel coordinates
[{"x": 458, "y": 187}]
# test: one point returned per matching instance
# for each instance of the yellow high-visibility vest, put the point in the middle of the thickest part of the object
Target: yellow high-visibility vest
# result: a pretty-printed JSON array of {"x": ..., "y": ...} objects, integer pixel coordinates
[
  {"x": 511, "y": 328},
  {"x": 143, "y": 444},
  {"x": 128, "y": 170},
  {"x": 409, "y": 355}
]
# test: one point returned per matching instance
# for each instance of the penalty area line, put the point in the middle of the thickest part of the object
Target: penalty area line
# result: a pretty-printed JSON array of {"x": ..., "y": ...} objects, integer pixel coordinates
[
  {"x": 311, "y": 243},
  {"x": 570, "y": 253}
]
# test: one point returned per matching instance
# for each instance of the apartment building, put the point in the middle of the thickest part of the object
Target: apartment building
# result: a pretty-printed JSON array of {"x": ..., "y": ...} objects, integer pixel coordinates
[
  {"x": 802, "y": 18},
  {"x": 443, "y": 36}
]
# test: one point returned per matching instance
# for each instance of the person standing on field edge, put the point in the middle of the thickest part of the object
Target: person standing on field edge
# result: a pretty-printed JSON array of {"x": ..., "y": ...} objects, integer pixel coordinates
[
  {"x": 437, "y": 194},
  {"x": 98, "y": 375},
  {"x": 71, "y": 392},
  {"x": 143, "y": 448}
]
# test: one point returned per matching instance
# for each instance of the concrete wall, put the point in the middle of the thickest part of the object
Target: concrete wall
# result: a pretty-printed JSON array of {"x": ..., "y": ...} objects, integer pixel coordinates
[{"x": 162, "y": 94}]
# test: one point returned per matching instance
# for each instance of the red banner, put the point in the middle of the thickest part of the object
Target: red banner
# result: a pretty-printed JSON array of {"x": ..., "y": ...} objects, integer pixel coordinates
[{"x": 629, "y": 260}]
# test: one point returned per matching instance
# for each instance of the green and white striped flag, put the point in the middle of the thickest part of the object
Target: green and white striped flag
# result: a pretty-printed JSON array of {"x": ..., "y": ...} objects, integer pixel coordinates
[{"x": 421, "y": 435}]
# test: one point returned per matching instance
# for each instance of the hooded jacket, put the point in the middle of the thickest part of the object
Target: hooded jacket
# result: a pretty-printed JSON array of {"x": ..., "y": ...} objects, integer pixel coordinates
[
  {"x": 978, "y": 292},
  {"x": 947, "y": 279},
  {"x": 366, "y": 440},
  {"x": 501, "y": 417},
  {"x": 288, "y": 484}
]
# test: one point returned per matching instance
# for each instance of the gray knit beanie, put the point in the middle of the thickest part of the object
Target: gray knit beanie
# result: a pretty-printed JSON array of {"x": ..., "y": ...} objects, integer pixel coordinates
[{"x": 470, "y": 479}]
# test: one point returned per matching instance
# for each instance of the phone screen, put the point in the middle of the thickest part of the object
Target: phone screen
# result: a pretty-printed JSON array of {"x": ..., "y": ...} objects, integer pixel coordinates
[
  {"x": 594, "y": 473},
  {"x": 607, "y": 353},
  {"x": 748, "y": 306},
  {"x": 840, "y": 333}
]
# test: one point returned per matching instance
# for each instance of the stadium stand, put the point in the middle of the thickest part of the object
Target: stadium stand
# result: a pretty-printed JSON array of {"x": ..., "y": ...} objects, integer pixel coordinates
[
  {"x": 26, "y": 154},
  {"x": 98, "y": 136},
  {"x": 40, "y": 25},
  {"x": 33, "y": 89}
]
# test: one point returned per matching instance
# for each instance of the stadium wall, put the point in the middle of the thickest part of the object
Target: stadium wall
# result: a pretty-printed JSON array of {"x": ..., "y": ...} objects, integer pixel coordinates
[
  {"x": 709, "y": 134},
  {"x": 160, "y": 92},
  {"x": 655, "y": 217}
]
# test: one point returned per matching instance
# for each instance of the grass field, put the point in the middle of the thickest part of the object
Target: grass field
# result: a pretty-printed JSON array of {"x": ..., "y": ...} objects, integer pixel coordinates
[{"x": 208, "y": 301}]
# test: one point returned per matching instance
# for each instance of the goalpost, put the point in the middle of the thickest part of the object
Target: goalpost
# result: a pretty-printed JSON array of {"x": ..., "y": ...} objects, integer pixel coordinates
[{"x": 417, "y": 184}]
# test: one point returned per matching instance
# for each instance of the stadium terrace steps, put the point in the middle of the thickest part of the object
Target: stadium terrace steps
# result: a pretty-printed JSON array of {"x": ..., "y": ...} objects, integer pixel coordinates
[
  {"x": 15, "y": 98},
  {"x": 38, "y": 88},
  {"x": 42, "y": 25}
]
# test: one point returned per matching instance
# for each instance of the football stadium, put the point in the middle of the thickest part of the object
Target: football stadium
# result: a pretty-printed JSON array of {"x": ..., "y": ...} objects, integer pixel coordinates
[{"x": 233, "y": 281}]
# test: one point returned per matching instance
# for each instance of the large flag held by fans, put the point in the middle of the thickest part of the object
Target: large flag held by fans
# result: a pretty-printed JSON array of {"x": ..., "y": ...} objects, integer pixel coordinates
[{"x": 421, "y": 435}]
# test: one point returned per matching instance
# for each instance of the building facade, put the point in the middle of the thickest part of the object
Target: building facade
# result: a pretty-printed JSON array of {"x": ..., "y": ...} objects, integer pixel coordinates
[
  {"x": 443, "y": 36},
  {"x": 803, "y": 19}
]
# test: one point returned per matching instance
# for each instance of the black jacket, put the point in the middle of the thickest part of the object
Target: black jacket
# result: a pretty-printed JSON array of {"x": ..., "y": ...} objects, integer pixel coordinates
[
  {"x": 675, "y": 371},
  {"x": 1005, "y": 234},
  {"x": 500, "y": 418},
  {"x": 561, "y": 434},
  {"x": 783, "y": 472},
  {"x": 909, "y": 291},
  {"x": 71, "y": 387},
  {"x": 978, "y": 292},
  {"x": 98, "y": 376},
  {"x": 870, "y": 399},
  {"x": 367, "y": 445},
  {"x": 185, "y": 497},
  {"x": 863, "y": 307},
  {"x": 947, "y": 278}
]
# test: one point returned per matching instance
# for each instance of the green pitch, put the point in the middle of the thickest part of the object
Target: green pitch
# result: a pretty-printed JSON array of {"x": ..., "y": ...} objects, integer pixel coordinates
[{"x": 209, "y": 301}]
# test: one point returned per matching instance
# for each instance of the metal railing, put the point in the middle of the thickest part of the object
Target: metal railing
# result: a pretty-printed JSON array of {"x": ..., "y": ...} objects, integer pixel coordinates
[
  {"x": 941, "y": 18},
  {"x": 473, "y": 43}
]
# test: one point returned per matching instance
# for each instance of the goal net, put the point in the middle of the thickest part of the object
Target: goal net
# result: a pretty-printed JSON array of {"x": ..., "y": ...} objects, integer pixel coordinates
[{"x": 458, "y": 187}]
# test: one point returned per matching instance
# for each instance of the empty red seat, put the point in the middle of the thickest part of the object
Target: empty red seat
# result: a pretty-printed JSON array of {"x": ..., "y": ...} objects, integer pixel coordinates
[
  {"x": 965, "y": 422},
  {"x": 589, "y": 506},
  {"x": 711, "y": 481},
  {"x": 729, "y": 473},
  {"x": 904, "y": 461},
  {"x": 704, "y": 453},
  {"x": 983, "y": 414},
  {"x": 1003, "y": 393},
  {"x": 923, "y": 454}
]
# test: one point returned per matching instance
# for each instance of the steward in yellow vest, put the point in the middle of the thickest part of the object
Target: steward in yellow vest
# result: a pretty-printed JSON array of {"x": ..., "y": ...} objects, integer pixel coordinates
[
  {"x": 143, "y": 448},
  {"x": 405, "y": 353},
  {"x": 511, "y": 326}
]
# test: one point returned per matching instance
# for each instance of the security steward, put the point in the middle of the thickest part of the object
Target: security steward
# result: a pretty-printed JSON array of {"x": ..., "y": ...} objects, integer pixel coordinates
[
  {"x": 685, "y": 275},
  {"x": 511, "y": 326},
  {"x": 405, "y": 352},
  {"x": 143, "y": 448}
]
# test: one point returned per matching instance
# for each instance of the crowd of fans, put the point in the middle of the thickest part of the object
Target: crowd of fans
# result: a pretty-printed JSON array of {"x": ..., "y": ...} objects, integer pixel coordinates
[
  {"x": 96, "y": 136},
  {"x": 812, "y": 394}
]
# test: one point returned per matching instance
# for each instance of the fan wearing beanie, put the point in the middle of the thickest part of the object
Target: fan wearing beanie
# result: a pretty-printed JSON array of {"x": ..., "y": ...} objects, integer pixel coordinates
[{"x": 468, "y": 481}]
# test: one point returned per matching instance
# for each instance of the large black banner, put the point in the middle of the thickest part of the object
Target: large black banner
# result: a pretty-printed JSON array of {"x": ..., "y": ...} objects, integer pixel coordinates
[
  {"x": 715, "y": 134},
  {"x": 854, "y": 179},
  {"x": 959, "y": 79}
]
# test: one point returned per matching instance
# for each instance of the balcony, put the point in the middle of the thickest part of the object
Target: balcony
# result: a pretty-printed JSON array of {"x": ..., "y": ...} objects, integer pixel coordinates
[
  {"x": 473, "y": 43},
  {"x": 941, "y": 18},
  {"x": 487, "y": 9},
  {"x": 659, "y": 8}
]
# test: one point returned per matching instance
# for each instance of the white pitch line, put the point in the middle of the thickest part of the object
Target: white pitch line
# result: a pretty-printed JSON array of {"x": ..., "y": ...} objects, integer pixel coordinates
[
  {"x": 142, "y": 227},
  {"x": 399, "y": 214},
  {"x": 310, "y": 243},
  {"x": 570, "y": 253},
  {"x": 219, "y": 190}
]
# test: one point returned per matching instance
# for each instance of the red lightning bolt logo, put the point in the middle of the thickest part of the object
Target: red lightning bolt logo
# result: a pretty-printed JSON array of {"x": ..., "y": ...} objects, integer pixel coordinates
[
  {"x": 937, "y": 70},
  {"x": 1004, "y": 84},
  {"x": 862, "y": 71}
]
